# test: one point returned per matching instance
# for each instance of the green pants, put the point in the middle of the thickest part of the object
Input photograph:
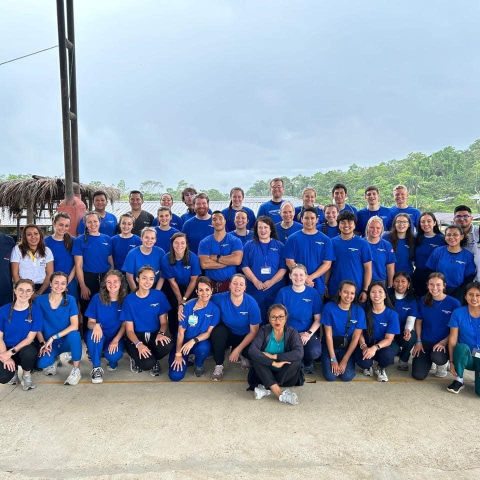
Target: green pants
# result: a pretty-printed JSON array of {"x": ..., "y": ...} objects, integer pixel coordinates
[{"x": 463, "y": 359}]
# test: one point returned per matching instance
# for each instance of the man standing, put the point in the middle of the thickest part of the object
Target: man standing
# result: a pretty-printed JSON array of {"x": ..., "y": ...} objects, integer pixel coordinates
[
  {"x": 400, "y": 195},
  {"x": 272, "y": 207},
  {"x": 220, "y": 254},
  {"x": 108, "y": 221},
  {"x": 462, "y": 216},
  {"x": 199, "y": 226},
  {"x": 339, "y": 195},
  {"x": 142, "y": 218},
  {"x": 188, "y": 194},
  {"x": 372, "y": 196},
  {"x": 312, "y": 249},
  {"x": 6, "y": 246}
]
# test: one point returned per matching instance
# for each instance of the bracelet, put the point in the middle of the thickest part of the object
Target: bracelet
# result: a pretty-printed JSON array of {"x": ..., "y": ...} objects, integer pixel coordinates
[
  {"x": 182, "y": 304},
  {"x": 378, "y": 346},
  {"x": 333, "y": 359},
  {"x": 57, "y": 336},
  {"x": 138, "y": 343},
  {"x": 418, "y": 341},
  {"x": 196, "y": 340},
  {"x": 184, "y": 299},
  {"x": 179, "y": 354},
  {"x": 161, "y": 333},
  {"x": 363, "y": 345}
]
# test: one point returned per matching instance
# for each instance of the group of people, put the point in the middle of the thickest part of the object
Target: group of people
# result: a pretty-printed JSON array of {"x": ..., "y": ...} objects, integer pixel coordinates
[{"x": 282, "y": 291}]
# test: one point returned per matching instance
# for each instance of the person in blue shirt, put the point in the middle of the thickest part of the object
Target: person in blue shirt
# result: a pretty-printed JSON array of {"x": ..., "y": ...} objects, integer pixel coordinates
[
  {"x": 353, "y": 259},
  {"x": 402, "y": 239},
  {"x": 311, "y": 248},
  {"x": 464, "y": 339},
  {"x": 454, "y": 261},
  {"x": 188, "y": 195},
  {"x": 108, "y": 221},
  {"x": 373, "y": 209},
  {"x": 263, "y": 264},
  {"x": 61, "y": 244},
  {"x": 377, "y": 340},
  {"x": 309, "y": 195},
  {"x": 144, "y": 312},
  {"x": 6, "y": 245},
  {"x": 20, "y": 322},
  {"x": 198, "y": 319},
  {"x": 330, "y": 226},
  {"x": 241, "y": 232},
  {"x": 304, "y": 305},
  {"x": 176, "y": 222},
  {"x": 164, "y": 230},
  {"x": 240, "y": 320},
  {"x": 60, "y": 328},
  {"x": 383, "y": 257},
  {"x": 181, "y": 269},
  {"x": 272, "y": 207},
  {"x": 431, "y": 328},
  {"x": 220, "y": 254},
  {"x": 428, "y": 238},
  {"x": 199, "y": 226},
  {"x": 93, "y": 258},
  {"x": 287, "y": 226},
  {"x": 124, "y": 241},
  {"x": 236, "y": 199},
  {"x": 343, "y": 322},
  {"x": 339, "y": 195},
  {"x": 400, "y": 195},
  {"x": 105, "y": 330},
  {"x": 405, "y": 303},
  {"x": 146, "y": 254}
]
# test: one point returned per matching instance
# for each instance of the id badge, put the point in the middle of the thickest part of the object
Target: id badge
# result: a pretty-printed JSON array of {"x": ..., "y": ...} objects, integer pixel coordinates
[
  {"x": 266, "y": 270},
  {"x": 192, "y": 320},
  {"x": 476, "y": 352}
]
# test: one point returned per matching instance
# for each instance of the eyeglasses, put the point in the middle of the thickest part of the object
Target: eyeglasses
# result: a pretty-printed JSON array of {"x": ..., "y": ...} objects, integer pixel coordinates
[
  {"x": 277, "y": 317},
  {"x": 21, "y": 290},
  {"x": 276, "y": 186},
  {"x": 462, "y": 216},
  {"x": 402, "y": 222},
  {"x": 189, "y": 195},
  {"x": 452, "y": 235}
]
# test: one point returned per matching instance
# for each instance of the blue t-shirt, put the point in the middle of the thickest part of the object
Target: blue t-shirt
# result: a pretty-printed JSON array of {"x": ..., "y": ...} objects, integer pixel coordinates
[
  {"x": 107, "y": 315},
  {"x": 454, "y": 266},
  {"x": 406, "y": 307},
  {"x": 333, "y": 316},
  {"x": 136, "y": 260},
  {"x": 226, "y": 246},
  {"x": 425, "y": 249},
  {"x": 175, "y": 222},
  {"x": 187, "y": 216},
  {"x": 145, "y": 312},
  {"x": 330, "y": 232},
  {"x": 284, "y": 233},
  {"x": 198, "y": 322},
  {"x": 402, "y": 254},
  {"x": 436, "y": 318},
  {"x": 55, "y": 321},
  {"x": 121, "y": 247},
  {"x": 348, "y": 208},
  {"x": 229, "y": 214},
  {"x": 163, "y": 238},
  {"x": 311, "y": 251},
  {"x": 301, "y": 306},
  {"x": 468, "y": 327},
  {"x": 196, "y": 230},
  {"x": 260, "y": 256},
  {"x": 108, "y": 225},
  {"x": 382, "y": 255},
  {"x": 95, "y": 252},
  {"x": 180, "y": 272},
  {"x": 350, "y": 256},
  {"x": 364, "y": 215},
  {"x": 271, "y": 209},
  {"x": 243, "y": 238},
  {"x": 19, "y": 327},
  {"x": 299, "y": 215},
  {"x": 413, "y": 212},
  {"x": 63, "y": 260},
  {"x": 238, "y": 319},
  {"x": 385, "y": 323}
]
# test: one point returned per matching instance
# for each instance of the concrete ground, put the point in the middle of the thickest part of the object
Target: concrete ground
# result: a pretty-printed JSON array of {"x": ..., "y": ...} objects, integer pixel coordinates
[{"x": 134, "y": 426}]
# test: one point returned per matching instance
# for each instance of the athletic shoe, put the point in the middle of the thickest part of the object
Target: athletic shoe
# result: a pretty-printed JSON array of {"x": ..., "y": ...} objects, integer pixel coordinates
[
  {"x": 402, "y": 366},
  {"x": 13, "y": 380},
  {"x": 217, "y": 375},
  {"x": 110, "y": 368},
  {"x": 288, "y": 397},
  {"x": 97, "y": 375},
  {"x": 368, "y": 372},
  {"x": 245, "y": 363},
  {"x": 442, "y": 370},
  {"x": 454, "y": 387},
  {"x": 58, "y": 361},
  {"x": 51, "y": 370},
  {"x": 309, "y": 368},
  {"x": 381, "y": 375},
  {"x": 134, "y": 368},
  {"x": 74, "y": 377},
  {"x": 156, "y": 371},
  {"x": 261, "y": 392},
  {"x": 318, "y": 361},
  {"x": 68, "y": 357},
  {"x": 27, "y": 382},
  {"x": 198, "y": 371},
  {"x": 191, "y": 360},
  {"x": 433, "y": 367}
]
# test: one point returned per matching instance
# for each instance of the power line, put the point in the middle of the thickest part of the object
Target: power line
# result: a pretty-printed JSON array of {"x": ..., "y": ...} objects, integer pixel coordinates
[{"x": 29, "y": 55}]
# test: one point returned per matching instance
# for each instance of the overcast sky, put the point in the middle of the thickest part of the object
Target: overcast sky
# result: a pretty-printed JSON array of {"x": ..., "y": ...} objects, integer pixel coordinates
[{"x": 221, "y": 93}]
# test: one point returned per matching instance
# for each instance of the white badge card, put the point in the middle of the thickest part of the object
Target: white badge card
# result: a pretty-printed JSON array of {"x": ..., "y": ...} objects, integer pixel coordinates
[
  {"x": 192, "y": 320},
  {"x": 476, "y": 352},
  {"x": 266, "y": 270}
]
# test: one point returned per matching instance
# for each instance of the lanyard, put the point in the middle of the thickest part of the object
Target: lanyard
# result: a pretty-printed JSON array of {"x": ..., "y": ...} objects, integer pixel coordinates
[
  {"x": 265, "y": 253},
  {"x": 475, "y": 333}
]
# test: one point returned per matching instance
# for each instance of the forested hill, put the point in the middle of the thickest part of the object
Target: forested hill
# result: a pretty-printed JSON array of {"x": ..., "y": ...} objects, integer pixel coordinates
[{"x": 435, "y": 182}]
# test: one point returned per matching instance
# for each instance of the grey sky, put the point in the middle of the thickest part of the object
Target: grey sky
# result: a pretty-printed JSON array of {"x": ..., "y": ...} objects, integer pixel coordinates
[{"x": 221, "y": 93}]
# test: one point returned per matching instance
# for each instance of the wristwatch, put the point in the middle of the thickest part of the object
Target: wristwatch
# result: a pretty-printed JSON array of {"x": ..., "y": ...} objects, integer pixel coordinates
[
  {"x": 13, "y": 351},
  {"x": 218, "y": 258}
]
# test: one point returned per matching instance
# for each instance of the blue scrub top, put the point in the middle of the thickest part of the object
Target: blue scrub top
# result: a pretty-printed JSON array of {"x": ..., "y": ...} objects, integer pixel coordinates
[
  {"x": 406, "y": 307},
  {"x": 121, "y": 247},
  {"x": 271, "y": 209},
  {"x": 63, "y": 260},
  {"x": 425, "y": 249},
  {"x": 206, "y": 317},
  {"x": 163, "y": 238},
  {"x": 229, "y": 214},
  {"x": 385, "y": 323},
  {"x": 284, "y": 233},
  {"x": 19, "y": 327},
  {"x": 382, "y": 255},
  {"x": 180, "y": 272},
  {"x": 402, "y": 254},
  {"x": 436, "y": 318},
  {"x": 468, "y": 327},
  {"x": 196, "y": 230},
  {"x": 108, "y": 225},
  {"x": 454, "y": 266},
  {"x": 364, "y": 215},
  {"x": 55, "y": 321},
  {"x": 175, "y": 222},
  {"x": 136, "y": 260},
  {"x": 333, "y": 316},
  {"x": 257, "y": 256},
  {"x": 95, "y": 252},
  {"x": 107, "y": 315},
  {"x": 145, "y": 312}
]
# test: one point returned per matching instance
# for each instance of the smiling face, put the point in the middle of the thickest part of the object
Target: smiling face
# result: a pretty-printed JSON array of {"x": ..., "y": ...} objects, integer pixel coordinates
[
  {"x": 277, "y": 189},
  {"x": 401, "y": 284},
  {"x": 23, "y": 292},
  {"x": 374, "y": 230},
  {"x": 201, "y": 207},
  {"x": 164, "y": 218},
  {"x": 92, "y": 223},
  {"x": 237, "y": 198},
  {"x": 346, "y": 227},
  {"x": 400, "y": 196},
  {"x": 309, "y": 221},
  {"x": 113, "y": 284},
  {"x": 61, "y": 226},
  {"x": 377, "y": 295},
  {"x": 136, "y": 202},
  {"x": 339, "y": 196},
  {"x": 218, "y": 222},
  {"x": 426, "y": 224},
  {"x": 149, "y": 238},
  {"x": 463, "y": 218},
  {"x": 453, "y": 237},
  {"x": 179, "y": 246},
  {"x": 402, "y": 223},
  {"x": 308, "y": 198},
  {"x": 347, "y": 294},
  {"x": 166, "y": 200},
  {"x": 473, "y": 297},
  {"x": 277, "y": 318},
  {"x": 32, "y": 236},
  {"x": 204, "y": 292},
  {"x": 100, "y": 203},
  {"x": 264, "y": 231},
  {"x": 126, "y": 225},
  {"x": 372, "y": 197},
  {"x": 298, "y": 277},
  {"x": 58, "y": 284},
  {"x": 436, "y": 287},
  {"x": 287, "y": 212},
  {"x": 331, "y": 214},
  {"x": 145, "y": 280},
  {"x": 241, "y": 220}
]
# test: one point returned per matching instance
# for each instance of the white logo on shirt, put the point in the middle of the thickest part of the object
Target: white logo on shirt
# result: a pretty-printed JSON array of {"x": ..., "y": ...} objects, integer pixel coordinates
[
  {"x": 154, "y": 304},
  {"x": 433, "y": 245},
  {"x": 208, "y": 315},
  {"x": 243, "y": 313},
  {"x": 383, "y": 324},
  {"x": 306, "y": 299},
  {"x": 320, "y": 243},
  {"x": 353, "y": 321},
  {"x": 224, "y": 245},
  {"x": 186, "y": 266},
  {"x": 446, "y": 311},
  {"x": 274, "y": 249},
  {"x": 103, "y": 243},
  {"x": 133, "y": 246},
  {"x": 381, "y": 249},
  {"x": 353, "y": 249},
  {"x": 460, "y": 262},
  {"x": 406, "y": 308}
]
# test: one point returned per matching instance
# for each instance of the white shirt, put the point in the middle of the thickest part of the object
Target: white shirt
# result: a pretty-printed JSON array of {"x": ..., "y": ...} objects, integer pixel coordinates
[
  {"x": 472, "y": 246},
  {"x": 34, "y": 269}
]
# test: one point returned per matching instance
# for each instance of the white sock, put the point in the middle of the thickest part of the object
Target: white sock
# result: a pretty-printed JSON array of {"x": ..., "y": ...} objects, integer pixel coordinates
[{"x": 459, "y": 379}]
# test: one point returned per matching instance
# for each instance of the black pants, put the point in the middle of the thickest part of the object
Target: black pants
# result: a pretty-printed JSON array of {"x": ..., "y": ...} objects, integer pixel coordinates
[
  {"x": 289, "y": 375},
  {"x": 419, "y": 280},
  {"x": 222, "y": 338},
  {"x": 172, "y": 300},
  {"x": 158, "y": 351},
  {"x": 92, "y": 281},
  {"x": 421, "y": 364},
  {"x": 25, "y": 358}
]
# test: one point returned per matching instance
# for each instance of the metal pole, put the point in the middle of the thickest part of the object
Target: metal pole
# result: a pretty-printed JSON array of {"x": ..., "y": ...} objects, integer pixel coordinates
[
  {"x": 72, "y": 53},
  {"x": 67, "y": 148}
]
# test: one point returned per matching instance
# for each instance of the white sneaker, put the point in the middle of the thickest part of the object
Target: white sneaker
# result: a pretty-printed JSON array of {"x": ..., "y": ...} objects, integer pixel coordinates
[
  {"x": 288, "y": 397},
  {"x": 433, "y": 367},
  {"x": 442, "y": 370},
  {"x": 74, "y": 377},
  {"x": 381, "y": 375},
  {"x": 261, "y": 392},
  {"x": 68, "y": 357},
  {"x": 97, "y": 375},
  {"x": 58, "y": 361},
  {"x": 13, "y": 380},
  {"x": 51, "y": 370},
  {"x": 110, "y": 368},
  {"x": 27, "y": 382},
  {"x": 217, "y": 375},
  {"x": 368, "y": 372}
]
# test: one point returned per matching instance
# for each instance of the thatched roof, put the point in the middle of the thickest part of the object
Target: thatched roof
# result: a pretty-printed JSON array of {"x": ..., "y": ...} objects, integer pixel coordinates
[{"x": 43, "y": 193}]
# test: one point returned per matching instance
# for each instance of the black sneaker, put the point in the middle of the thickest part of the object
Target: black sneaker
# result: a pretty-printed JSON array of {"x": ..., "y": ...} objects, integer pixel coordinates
[
  {"x": 156, "y": 370},
  {"x": 134, "y": 368},
  {"x": 455, "y": 387},
  {"x": 198, "y": 371}
]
